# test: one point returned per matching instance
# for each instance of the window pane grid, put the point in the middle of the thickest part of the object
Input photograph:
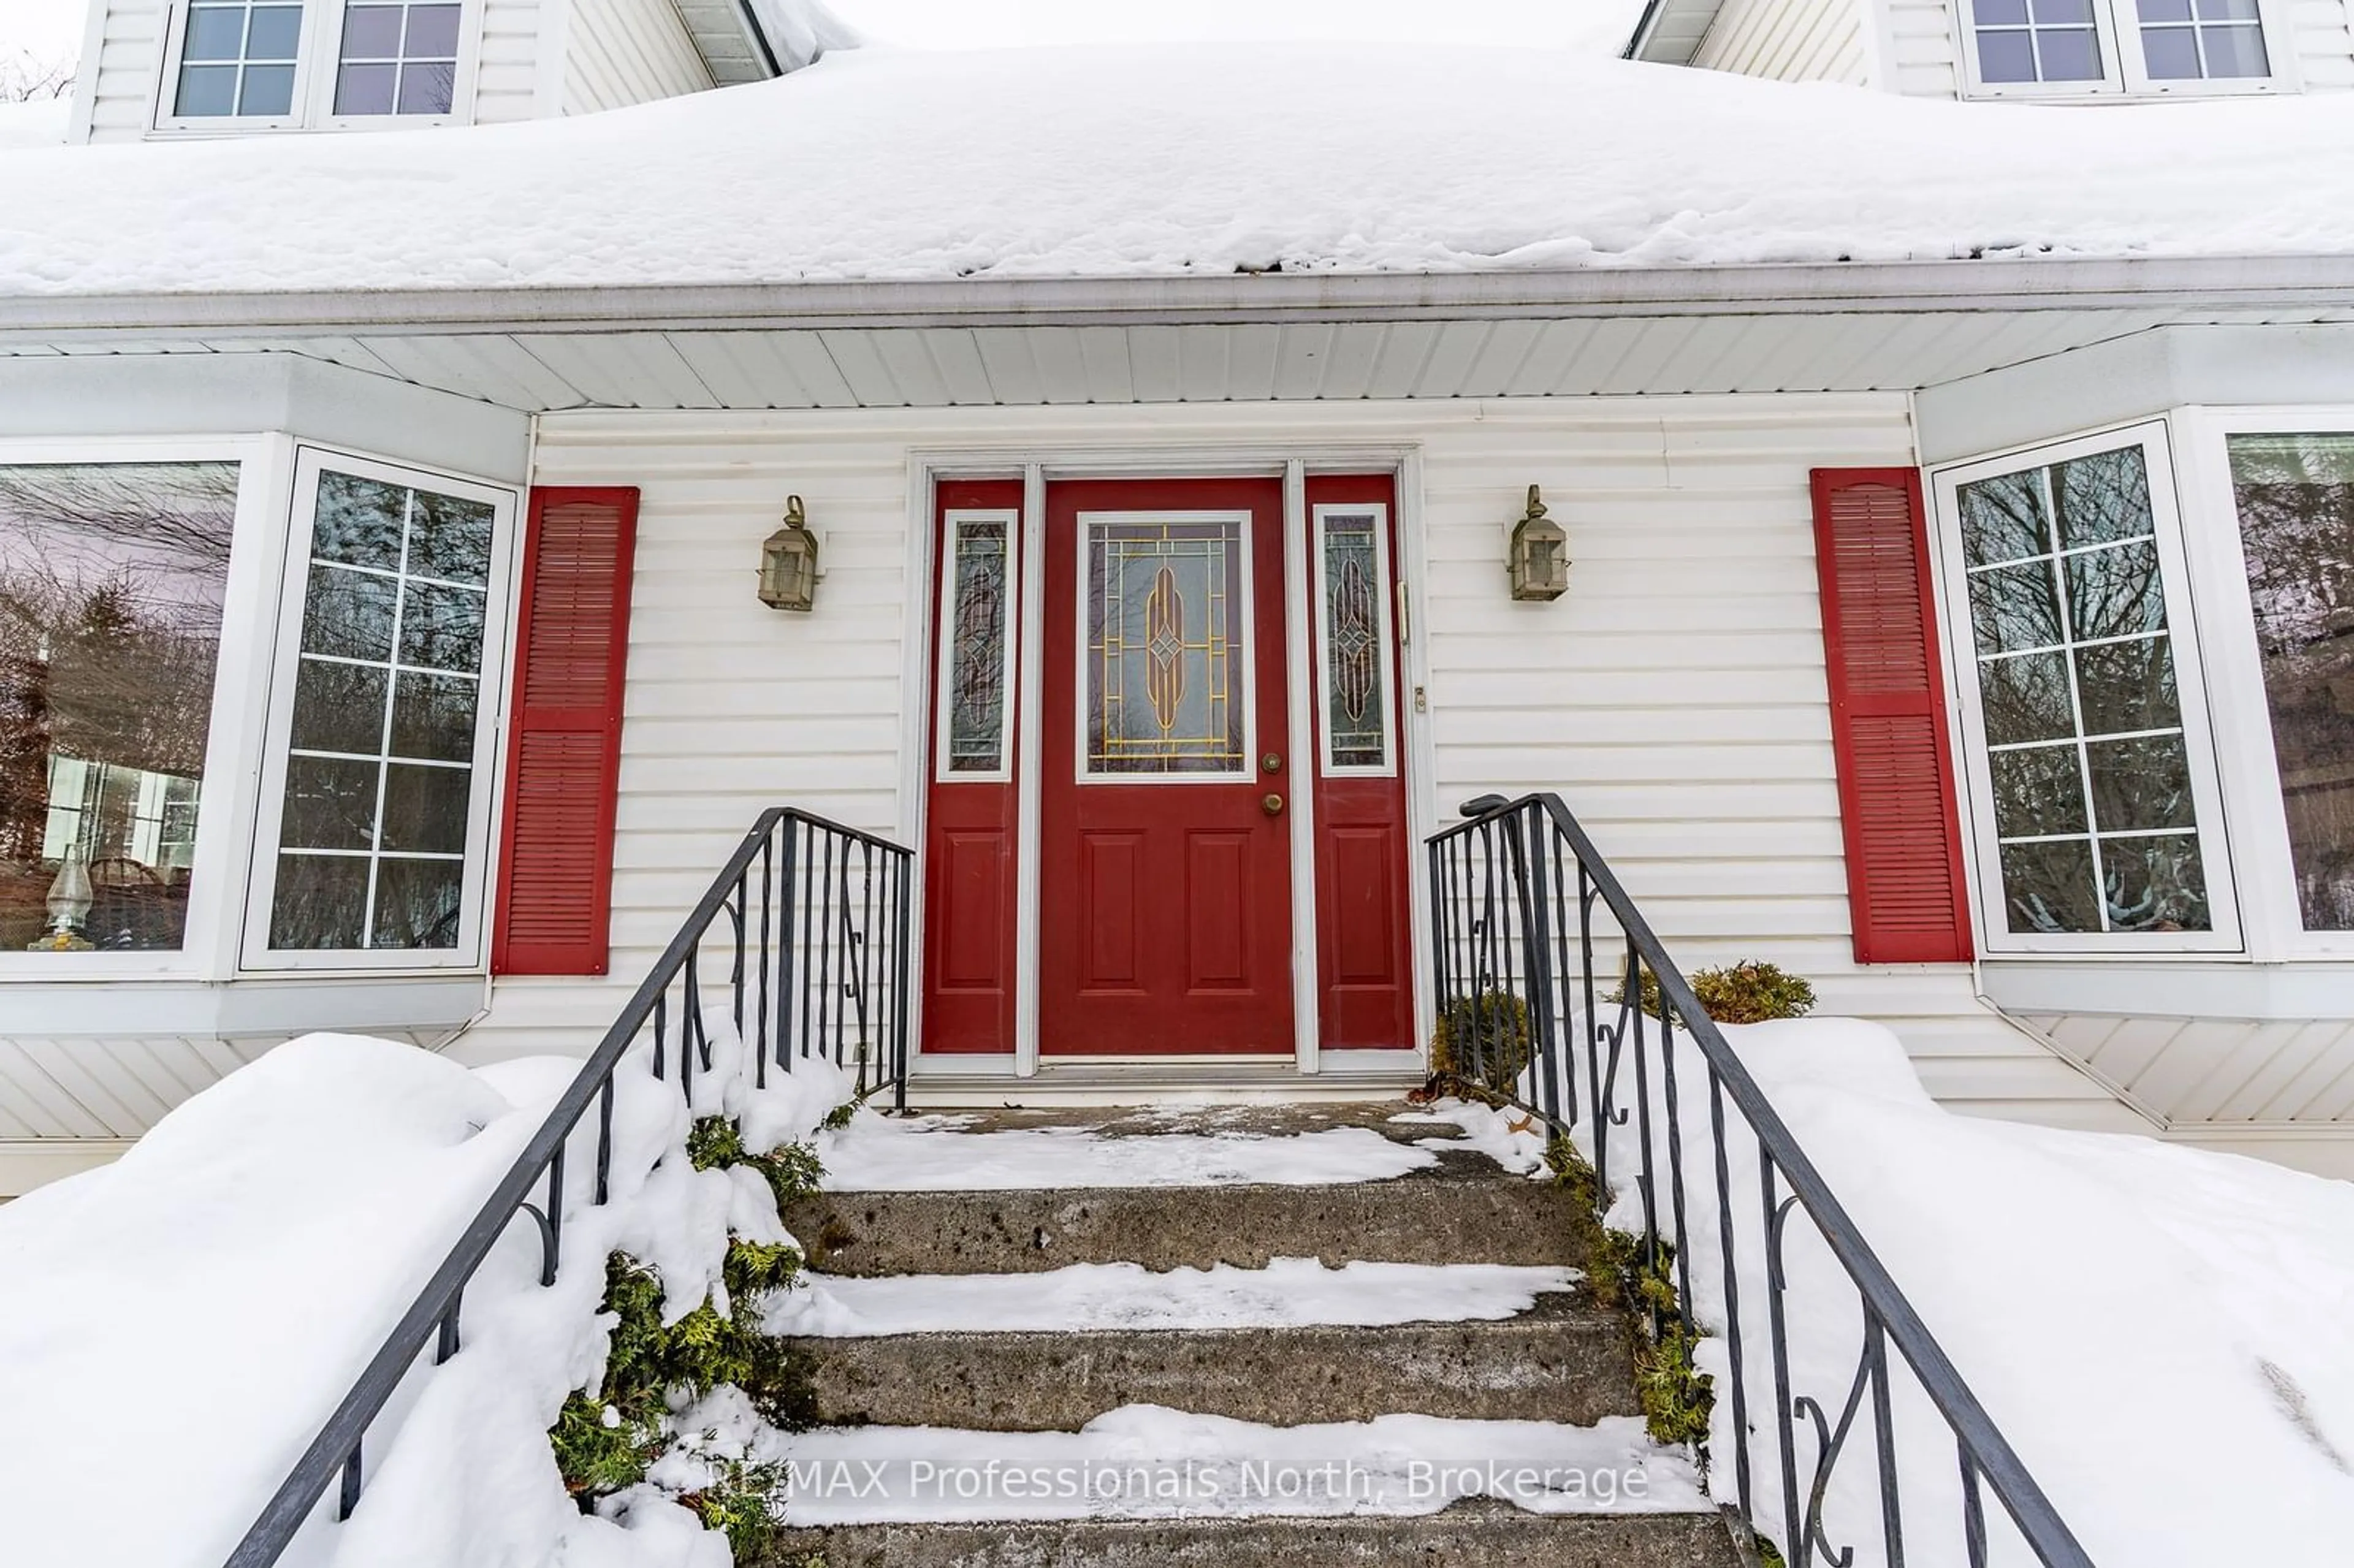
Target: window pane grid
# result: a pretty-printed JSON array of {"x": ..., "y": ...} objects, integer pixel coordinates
[
  {"x": 236, "y": 60},
  {"x": 386, "y": 716},
  {"x": 1999, "y": 656},
  {"x": 391, "y": 575},
  {"x": 2028, "y": 41},
  {"x": 398, "y": 59},
  {"x": 2089, "y": 763},
  {"x": 2209, "y": 40}
]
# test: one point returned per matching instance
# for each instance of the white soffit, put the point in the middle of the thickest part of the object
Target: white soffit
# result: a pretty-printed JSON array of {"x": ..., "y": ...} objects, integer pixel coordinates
[{"x": 1016, "y": 366}]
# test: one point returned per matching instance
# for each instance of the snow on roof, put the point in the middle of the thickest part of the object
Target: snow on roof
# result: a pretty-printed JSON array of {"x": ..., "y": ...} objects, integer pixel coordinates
[{"x": 880, "y": 165}]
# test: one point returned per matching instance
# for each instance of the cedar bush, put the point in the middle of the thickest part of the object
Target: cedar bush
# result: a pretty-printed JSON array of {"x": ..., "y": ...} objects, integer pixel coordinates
[
  {"x": 605, "y": 1441},
  {"x": 1482, "y": 1042},
  {"x": 1745, "y": 992}
]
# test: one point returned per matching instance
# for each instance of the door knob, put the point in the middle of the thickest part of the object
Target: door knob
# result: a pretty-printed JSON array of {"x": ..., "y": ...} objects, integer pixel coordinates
[{"x": 1271, "y": 804}]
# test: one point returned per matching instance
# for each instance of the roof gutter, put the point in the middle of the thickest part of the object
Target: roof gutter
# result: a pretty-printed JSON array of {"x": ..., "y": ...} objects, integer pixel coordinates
[
  {"x": 1642, "y": 33},
  {"x": 2322, "y": 284}
]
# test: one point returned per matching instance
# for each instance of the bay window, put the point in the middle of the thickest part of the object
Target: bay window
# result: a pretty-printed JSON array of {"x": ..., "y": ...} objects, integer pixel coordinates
[
  {"x": 112, "y": 578},
  {"x": 2294, "y": 498},
  {"x": 2085, "y": 741},
  {"x": 376, "y": 787}
]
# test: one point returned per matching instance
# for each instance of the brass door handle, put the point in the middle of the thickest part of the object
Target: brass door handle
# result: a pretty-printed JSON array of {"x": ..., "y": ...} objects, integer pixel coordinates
[{"x": 1271, "y": 804}]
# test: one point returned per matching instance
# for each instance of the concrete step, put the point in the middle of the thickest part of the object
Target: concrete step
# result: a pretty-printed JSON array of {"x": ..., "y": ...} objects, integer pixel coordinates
[
  {"x": 1469, "y": 1535},
  {"x": 1566, "y": 1361},
  {"x": 1461, "y": 1211}
]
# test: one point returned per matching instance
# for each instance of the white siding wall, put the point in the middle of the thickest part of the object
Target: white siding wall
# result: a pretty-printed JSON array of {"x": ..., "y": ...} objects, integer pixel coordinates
[
  {"x": 1789, "y": 40},
  {"x": 521, "y": 39},
  {"x": 123, "y": 70},
  {"x": 1919, "y": 49},
  {"x": 619, "y": 52},
  {"x": 2325, "y": 43},
  {"x": 1676, "y": 697}
]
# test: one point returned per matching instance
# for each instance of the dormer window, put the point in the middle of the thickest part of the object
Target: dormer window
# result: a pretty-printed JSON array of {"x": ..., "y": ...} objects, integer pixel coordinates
[
  {"x": 2204, "y": 40},
  {"x": 2079, "y": 48},
  {"x": 397, "y": 60},
  {"x": 237, "y": 60},
  {"x": 245, "y": 64}
]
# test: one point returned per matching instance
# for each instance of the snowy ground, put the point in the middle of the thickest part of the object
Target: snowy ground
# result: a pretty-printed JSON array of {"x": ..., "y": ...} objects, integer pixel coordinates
[
  {"x": 1099, "y": 161},
  {"x": 175, "y": 1327},
  {"x": 2165, "y": 1335}
]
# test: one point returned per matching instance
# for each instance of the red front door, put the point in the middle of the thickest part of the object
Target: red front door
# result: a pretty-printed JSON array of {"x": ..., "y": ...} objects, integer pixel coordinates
[{"x": 1165, "y": 886}]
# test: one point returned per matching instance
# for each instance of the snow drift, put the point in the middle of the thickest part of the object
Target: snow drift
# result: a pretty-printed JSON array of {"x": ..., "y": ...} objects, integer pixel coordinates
[{"x": 175, "y": 1327}]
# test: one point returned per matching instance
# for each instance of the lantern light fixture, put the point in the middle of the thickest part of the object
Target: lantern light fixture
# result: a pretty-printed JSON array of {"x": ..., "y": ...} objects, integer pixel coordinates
[
  {"x": 1538, "y": 560},
  {"x": 789, "y": 571}
]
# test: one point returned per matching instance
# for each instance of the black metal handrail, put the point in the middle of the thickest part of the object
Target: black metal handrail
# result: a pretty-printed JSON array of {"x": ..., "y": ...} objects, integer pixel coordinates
[
  {"x": 817, "y": 933},
  {"x": 1514, "y": 897}
]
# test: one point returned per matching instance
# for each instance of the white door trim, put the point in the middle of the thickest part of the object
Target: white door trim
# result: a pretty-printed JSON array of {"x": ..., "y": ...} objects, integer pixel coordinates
[
  {"x": 1298, "y": 779},
  {"x": 1294, "y": 463}
]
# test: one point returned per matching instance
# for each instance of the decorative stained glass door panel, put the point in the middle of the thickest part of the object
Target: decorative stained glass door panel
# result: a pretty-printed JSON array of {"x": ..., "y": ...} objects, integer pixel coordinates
[
  {"x": 1165, "y": 893},
  {"x": 1167, "y": 654}
]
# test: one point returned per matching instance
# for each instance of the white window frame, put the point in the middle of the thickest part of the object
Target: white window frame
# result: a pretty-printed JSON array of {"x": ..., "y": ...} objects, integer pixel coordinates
[
  {"x": 1386, "y": 632},
  {"x": 471, "y": 954},
  {"x": 953, "y": 524},
  {"x": 207, "y": 948},
  {"x": 318, "y": 61},
  {"x": 461, "y": 90},
  {"x": 2124, "y": 73},
  {"x": 2244, "y": 727},
  {"x": 167, "y": 116},
  {"x": 1995, "y": 936}
]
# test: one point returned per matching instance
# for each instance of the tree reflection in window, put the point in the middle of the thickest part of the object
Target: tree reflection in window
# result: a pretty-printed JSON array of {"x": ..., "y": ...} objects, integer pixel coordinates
[
  {"x": 2296, "y": 498},
  {"x": 110, "y": 584},
  {"x": 2091, "y": 774}
]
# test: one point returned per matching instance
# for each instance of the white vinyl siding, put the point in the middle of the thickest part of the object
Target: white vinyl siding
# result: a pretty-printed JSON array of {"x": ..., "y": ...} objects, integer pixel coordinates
[
  {"x": 1789, "y": 40},
  {"x": 620, "y": 52},
  {"x": 1676, "y": 697},
  {"x": 508, "y": 69}
]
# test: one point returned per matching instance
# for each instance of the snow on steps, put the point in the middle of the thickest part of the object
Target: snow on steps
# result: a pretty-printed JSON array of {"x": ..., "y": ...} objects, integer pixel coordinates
[
  {"x": 1025, "y": 1191},
  {"x": 1297, "y": 1289}
]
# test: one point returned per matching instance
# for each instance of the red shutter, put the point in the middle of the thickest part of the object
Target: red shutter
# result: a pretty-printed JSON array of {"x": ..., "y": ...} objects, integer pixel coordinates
[
  {"x": 1897, "y": 804},
  {"x": 564, "y": 743}
]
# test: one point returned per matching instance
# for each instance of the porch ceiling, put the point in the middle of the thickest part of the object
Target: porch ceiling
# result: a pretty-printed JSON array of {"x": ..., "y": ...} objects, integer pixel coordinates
[{"x": 1031, "y": 365}]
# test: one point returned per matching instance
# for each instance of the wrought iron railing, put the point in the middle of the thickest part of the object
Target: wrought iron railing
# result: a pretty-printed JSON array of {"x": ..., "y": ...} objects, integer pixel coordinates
[
  {"x": 810, "y": 921},
  {"x": 1545, "y": 977}
]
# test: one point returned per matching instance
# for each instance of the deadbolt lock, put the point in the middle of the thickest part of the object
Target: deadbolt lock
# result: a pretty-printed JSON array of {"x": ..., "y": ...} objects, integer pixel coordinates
[{"x": 1271, "y": 763}]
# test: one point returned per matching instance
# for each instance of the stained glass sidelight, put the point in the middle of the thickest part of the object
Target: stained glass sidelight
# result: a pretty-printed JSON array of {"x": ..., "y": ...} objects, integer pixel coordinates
[
  {"x": 2090, "y": 770},
  {"x": 379, "y": 772},
  {"x": 980, "y": 589},
  {"x": 1165, "y": 644},
  {"x": 1356, "y": 699},
  {"x": 2296, "y": 498}
]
